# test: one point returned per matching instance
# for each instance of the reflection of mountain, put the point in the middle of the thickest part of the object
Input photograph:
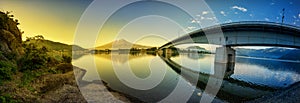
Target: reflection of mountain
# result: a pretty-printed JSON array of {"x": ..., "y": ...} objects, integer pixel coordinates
[
  {"x": 196, "y": 48},
  {"x": 121, "y": 44},
  {"x": 272, "y": 65},
  {"x": 194, "y": 56},
  {"x": 274, "y": 53},
  {"x": 121, "y": 58}
]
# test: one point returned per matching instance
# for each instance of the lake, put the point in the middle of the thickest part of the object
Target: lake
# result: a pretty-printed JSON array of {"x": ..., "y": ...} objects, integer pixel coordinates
[{"x": 153, "y": 78}]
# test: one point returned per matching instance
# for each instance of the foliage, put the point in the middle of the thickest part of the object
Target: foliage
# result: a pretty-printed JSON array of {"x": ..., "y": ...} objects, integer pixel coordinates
[
  {"x": 6, "y": 98},
  {"x": 5, "y": 18},
  {"x": 7, "y": 69},
  {"x": 51, "y": 45},
  {"x": 67, "y": 59},
  {"x": 34, "y": 58},
  {"x": 29, "y": 76}
]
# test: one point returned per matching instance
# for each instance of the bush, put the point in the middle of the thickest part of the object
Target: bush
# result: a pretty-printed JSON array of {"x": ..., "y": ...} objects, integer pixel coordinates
[
  {"x": 34, "y": 58},
  {"x": 7, "y": 69},
  {"x": 67, "y": 59},
  {"x": 7, "y": 99}
]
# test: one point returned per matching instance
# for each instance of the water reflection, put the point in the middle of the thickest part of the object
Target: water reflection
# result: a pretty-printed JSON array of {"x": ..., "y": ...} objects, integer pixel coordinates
[{"x": 250, "y": 78}]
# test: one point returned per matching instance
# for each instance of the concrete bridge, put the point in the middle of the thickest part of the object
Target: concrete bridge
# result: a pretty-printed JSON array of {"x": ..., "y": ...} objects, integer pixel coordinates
[{"x": 247, "y": 33}]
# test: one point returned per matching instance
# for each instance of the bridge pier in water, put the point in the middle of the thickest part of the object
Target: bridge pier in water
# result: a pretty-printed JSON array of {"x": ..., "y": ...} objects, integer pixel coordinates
[
  {"x": 166, "y": 52},
  {"x": 224, "y": 61}
]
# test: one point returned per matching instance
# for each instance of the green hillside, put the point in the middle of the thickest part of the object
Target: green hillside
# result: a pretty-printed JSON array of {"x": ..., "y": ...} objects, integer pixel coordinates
[{"x": 56, "y": 46}]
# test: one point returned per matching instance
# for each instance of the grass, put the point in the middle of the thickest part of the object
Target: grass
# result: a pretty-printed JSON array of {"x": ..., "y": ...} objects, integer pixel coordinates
[{"x": 7, "y": 99}]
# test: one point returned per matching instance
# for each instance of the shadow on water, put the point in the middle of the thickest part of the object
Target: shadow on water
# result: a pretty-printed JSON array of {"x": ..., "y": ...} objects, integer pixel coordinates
[
  {"x": 232, "y": 90},
  {"x": 271, "y": 64}
]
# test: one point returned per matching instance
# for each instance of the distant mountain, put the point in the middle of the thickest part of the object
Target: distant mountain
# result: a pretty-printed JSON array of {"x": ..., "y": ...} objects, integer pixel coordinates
[
  {"x": 121, "y": 44},
  {"x": 273, "y": 53},
  {"x": 292, "y": 55}
]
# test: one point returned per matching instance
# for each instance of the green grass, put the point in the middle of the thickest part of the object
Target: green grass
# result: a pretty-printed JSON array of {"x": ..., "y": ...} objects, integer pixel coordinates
[
  {"x": 7, "y": 69},
  {"x": 6, "y": 98}
]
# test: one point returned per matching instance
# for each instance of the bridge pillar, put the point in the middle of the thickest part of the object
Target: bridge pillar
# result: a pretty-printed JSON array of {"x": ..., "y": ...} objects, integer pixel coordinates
[
  {"x": 224, "y": 61},
  {"x": 167, "y": 53}
]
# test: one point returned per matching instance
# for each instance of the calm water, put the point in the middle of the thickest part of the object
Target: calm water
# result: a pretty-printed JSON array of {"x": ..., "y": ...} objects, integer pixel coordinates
[{"x": 251, "y": 77}]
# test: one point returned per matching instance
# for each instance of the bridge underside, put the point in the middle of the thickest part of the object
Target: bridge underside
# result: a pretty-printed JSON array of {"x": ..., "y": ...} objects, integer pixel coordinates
[
  {"x": 240, "y": 38},
  {"x": 243, "y": 34}
]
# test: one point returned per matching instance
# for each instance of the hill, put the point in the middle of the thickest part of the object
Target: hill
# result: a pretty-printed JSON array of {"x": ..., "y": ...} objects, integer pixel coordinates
[
  {"x": 57, "y": 46},
  {"x": 273, "y": 53},
  {"x": 121, "y": 44}
]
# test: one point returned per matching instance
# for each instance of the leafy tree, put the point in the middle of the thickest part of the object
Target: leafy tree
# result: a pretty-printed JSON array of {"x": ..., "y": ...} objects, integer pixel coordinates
[{"x": 34, "y": 58}]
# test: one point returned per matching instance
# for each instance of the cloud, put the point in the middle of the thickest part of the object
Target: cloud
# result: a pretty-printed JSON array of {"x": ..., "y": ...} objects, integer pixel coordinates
[
  {"x": 195, "y": 21},
  {"x": 299, "y": 15},
  {"x": 240, "y": 8},
  {"x": 223, "y": 13},
  {"x": 191, "y": 28},
  {"x": 208, "y": 18},
  {"x": 228, "y": 21},
  {"x": 267, "y": 19},
  {"x": 202, "y": 17},
  {"x": 204, "y": 12}
]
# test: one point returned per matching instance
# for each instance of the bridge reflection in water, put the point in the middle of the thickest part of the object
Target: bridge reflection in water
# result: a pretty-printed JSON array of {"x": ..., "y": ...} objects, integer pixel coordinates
[
  {"x": 230, "y": 89},
  {"x": 229, "y": 35}
]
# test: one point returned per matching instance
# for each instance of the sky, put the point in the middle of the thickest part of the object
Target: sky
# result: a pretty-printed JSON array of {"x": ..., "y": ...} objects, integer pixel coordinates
[{"x": 147, "y": 22}]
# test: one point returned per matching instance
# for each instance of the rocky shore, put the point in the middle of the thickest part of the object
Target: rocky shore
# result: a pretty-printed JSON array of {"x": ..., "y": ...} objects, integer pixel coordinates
[
  {"x": 66, "y": 90},
  {"x": 289, "y": 95}
]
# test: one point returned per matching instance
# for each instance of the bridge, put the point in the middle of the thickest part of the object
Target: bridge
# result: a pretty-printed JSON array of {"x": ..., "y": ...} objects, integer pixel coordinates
[{"x": 246, "y": 33}]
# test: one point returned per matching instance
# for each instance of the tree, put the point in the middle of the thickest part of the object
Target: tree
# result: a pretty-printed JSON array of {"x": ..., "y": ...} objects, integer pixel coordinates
[{"x": 34, "y": 58}]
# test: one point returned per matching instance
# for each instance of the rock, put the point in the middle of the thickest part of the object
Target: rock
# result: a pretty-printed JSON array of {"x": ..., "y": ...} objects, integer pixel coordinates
[{"x": 10, "y": 38}]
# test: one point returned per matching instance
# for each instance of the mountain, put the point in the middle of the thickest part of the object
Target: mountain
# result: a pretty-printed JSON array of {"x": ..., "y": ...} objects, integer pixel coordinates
[
  {"x": 121, "y": 44},
  {"x": 273, "y": 53},
  {"x": 292, "y": 55}
]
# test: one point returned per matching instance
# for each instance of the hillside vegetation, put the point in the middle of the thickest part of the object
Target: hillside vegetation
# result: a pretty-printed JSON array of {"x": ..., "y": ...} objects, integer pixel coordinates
[
  {"x": 51, "y": 45},
  {"x": 24, "y": 63}
]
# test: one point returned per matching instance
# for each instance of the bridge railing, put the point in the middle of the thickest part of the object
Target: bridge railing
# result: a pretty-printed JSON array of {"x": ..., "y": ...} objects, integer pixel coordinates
[{"x": 261, "y": 22}]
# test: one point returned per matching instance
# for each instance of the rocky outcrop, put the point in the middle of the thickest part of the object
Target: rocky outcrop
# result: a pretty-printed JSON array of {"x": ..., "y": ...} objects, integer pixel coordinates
[{"x": 10, "y": 37}]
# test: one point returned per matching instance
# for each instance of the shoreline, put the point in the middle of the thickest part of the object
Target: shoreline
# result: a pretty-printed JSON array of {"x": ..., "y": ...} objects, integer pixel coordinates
[
  {"x": 99, "y": 91},
  {"x": 289, "y": 95}
]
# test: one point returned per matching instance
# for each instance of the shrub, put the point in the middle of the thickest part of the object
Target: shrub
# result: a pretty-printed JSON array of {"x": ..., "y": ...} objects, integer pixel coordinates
[
  {"x": 6, "y": 98},
  {"x": 7, "y": 69},
  {"x": 34, "y": 58},
  {"x": 67, "y": 59}
]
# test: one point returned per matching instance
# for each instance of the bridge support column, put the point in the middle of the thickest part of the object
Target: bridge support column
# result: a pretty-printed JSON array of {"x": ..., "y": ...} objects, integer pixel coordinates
[
  {"x": 167, "y": 53},
  {"x": 224, "y": 61}
]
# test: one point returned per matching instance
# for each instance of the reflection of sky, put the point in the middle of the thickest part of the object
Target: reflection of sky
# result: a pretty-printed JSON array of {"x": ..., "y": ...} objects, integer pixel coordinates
[
  {"x": 203, "y": 64},
  {"x": 264, "y": 76},
  {"x": 245, "y": 71}
]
